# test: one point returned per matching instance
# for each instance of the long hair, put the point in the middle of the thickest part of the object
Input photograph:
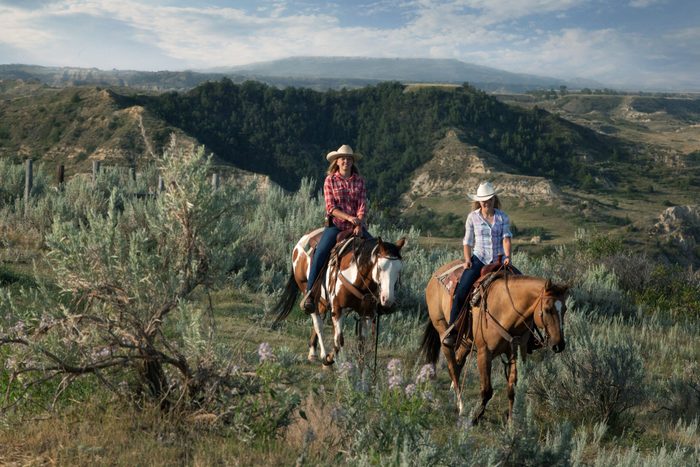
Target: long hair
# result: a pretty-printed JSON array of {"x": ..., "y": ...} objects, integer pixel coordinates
[
  {"x": 333, "y": 167},
  {"x": 496, "y": 203}
]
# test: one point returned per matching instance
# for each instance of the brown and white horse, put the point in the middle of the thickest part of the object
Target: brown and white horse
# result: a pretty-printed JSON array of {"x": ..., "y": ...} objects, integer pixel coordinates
[
  {"x": 501, "y": 325},
  {"x": 362, "y": 275}
]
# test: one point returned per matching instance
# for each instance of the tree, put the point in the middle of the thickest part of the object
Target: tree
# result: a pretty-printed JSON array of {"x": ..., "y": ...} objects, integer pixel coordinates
[{"x": 118, "y": 302}]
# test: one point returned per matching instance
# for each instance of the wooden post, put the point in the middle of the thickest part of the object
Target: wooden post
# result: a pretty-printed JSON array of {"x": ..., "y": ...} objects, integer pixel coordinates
[
  {"x": 161, "y": 184},
  {"x": 215, "y": 181},
  {"x": 28, "y": 181},
  {"x": 60, "y": 175},
  {"x": 132, "y": 172},
  {"x": 95, "y": 170}
]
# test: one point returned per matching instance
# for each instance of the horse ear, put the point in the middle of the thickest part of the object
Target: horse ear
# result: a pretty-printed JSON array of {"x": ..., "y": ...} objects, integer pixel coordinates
[
  {"x": 400, "y": 244},
  {"x": 548, "y": 284},
  {"x": 379, "y": 241}
]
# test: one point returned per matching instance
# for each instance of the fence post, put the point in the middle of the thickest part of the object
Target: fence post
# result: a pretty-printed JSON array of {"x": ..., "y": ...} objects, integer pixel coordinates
[
  {"x": 215, "y": 181},
  {"x": 95, "y": 170},
  {"x": 132, "y": 172},
  {"x": 28, "y": 182},
  {"x": 60, "y": 175},
  {"x": 161, "y": 184}
]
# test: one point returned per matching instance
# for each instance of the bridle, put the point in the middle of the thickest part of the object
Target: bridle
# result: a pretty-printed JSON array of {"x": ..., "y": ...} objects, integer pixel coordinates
[
  {"x": 370, "y": 294},
  {"x": 534, "y": 330}
]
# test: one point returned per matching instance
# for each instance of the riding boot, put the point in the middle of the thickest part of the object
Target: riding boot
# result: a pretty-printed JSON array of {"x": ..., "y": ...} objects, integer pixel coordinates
[
  {"x": 307, "y": 304},
  {"x": 449, "y": 338}
]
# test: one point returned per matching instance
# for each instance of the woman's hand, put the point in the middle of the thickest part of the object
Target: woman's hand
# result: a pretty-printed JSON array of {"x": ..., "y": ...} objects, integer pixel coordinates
[
  {"x": 355, "y": 221},
  {"x": 468, "y": 263},
  {"x": 506, "y": 261}
]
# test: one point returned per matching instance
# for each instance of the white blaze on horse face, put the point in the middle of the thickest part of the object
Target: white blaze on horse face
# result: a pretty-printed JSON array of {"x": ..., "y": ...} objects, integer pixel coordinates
[{"x": 386, "y": 274}]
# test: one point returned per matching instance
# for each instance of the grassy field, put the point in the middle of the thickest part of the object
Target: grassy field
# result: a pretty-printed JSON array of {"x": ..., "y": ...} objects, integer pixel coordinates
[{"x": 94, "y": 428}]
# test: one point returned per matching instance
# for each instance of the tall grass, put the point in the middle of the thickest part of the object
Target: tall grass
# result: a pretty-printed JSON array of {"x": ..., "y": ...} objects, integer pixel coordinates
[{"x": 626, "y": 390}]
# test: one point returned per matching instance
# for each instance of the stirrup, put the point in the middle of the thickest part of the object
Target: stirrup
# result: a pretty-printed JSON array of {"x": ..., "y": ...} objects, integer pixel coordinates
[{"x": 303, "y": 303}]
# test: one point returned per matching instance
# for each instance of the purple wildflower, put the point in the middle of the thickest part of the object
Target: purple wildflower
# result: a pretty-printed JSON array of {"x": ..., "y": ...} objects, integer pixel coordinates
[
  {"x": 265, "y": 352},
  {"x": 394, "y": 366},
  {"x": 395, "y": 382},
  {"x": 410, "y": 390},
  {"x": 427, "y": 372}
]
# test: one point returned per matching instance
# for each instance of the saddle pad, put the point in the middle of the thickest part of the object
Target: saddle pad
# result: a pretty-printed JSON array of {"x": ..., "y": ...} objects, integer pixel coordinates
[{"x": 450, "y": 278}]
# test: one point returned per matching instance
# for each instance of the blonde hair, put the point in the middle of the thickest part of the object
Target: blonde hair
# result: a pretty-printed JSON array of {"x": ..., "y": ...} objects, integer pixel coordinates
[
  {"x": 496, "y": 203},
  {"x": 333, "y": 167}
]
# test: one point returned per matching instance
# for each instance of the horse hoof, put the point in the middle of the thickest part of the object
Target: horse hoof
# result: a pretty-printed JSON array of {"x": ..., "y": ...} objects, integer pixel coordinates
[
  {"x": 328, "y": 361},
  {"x": 311, "y": 358}
]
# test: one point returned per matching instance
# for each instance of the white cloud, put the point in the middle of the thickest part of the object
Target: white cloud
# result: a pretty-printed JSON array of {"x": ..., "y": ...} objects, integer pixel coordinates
[
  {"x": 504, "y": 34},
  {"x": 645, "y": 3}
]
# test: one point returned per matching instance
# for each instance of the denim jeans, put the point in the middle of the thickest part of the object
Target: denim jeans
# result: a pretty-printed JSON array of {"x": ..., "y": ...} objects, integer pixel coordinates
[
  {"x": 323, "y": 251},
  {"x": 468, "y": 278}
]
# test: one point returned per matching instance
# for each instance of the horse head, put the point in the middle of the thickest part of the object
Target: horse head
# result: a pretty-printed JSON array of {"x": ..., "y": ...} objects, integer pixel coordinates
[
  {"x": 387, "y": 269},
  {"x": 550, "y": 314}
]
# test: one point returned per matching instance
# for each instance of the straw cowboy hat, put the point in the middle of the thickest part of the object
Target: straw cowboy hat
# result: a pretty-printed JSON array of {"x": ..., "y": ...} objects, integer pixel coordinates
[
  {"x": 485, "y": 192},
  {"x": 343, "y": 150}
]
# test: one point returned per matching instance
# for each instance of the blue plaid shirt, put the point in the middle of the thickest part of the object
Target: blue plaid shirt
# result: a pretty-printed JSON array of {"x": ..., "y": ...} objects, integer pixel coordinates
[{"x": 486, "y": 240}]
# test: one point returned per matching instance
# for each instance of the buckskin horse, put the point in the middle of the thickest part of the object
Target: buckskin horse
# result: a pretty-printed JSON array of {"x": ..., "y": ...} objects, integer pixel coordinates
[
  {"x": 361, "y": 275},
  {"x": 510, "y": 308}
]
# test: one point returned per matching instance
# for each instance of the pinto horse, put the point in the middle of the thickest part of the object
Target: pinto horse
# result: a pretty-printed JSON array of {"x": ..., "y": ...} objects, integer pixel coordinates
[
  {"x": 361, "y": 275},
  {"x": 510, "y": 309}
]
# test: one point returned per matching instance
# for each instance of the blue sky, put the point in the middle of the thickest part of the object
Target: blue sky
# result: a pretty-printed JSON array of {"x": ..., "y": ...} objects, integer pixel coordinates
[{"x": 627, "y": 43}]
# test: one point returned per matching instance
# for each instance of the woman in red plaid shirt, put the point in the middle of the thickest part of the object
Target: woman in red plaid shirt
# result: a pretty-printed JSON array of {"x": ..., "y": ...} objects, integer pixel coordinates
[{"x": 346, "y": 203}]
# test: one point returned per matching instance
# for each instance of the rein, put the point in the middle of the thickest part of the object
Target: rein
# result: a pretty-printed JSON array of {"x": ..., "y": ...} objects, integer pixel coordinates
[
  {"x": 353, "y": 288},
  {"x": 503, "y": 331}
]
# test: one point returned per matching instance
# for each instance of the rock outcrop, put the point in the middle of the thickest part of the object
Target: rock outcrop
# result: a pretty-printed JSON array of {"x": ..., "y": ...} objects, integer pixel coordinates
[
  {"x": 680, "y": 226},
  {"x": 457, "y": 168}
]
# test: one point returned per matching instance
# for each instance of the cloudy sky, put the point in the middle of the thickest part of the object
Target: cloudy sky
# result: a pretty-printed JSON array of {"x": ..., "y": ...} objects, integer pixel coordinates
[{"x": 650, "y": 43}]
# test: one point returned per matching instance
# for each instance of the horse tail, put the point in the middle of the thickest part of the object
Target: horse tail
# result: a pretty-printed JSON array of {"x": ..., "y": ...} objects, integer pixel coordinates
[
  {"x": 287, "y": 301},
  {"x": 430, "y": 346}
]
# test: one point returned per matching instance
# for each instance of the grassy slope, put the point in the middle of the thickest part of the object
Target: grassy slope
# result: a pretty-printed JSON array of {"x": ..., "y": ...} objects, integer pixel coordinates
[
  {"x": 104, "y": 431},
  {"x": 632, "y": 195}
]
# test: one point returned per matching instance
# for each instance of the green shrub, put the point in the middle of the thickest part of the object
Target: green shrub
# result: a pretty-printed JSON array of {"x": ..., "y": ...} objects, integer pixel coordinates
[{"x": 599, "y": 377}]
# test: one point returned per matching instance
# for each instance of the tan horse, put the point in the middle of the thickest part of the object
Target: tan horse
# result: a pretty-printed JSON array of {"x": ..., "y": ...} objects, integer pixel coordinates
[
  {"x": 363, "y": 279},
  {"x": 503, "y": 324}
]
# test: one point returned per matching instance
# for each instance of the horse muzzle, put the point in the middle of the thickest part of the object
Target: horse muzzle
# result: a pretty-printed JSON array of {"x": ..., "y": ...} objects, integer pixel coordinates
[
  {"x": 559, "y": 347},
  {"x": 386, "y": 302}
]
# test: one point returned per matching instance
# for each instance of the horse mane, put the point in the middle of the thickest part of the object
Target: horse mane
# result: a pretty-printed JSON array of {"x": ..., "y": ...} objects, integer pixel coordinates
[
  {"x": 364, "y": 250},
  {"x": 551, "y": 289}
]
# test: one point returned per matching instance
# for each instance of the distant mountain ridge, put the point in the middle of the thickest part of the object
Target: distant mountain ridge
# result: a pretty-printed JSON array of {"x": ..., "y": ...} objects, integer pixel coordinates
[
  {"x": 425, "y": 70},
  {"x": 319, "y": 73}
]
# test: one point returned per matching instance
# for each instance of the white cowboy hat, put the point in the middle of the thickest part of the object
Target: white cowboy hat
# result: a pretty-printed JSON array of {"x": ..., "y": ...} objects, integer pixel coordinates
[
  {"x": 485, "y": 192},
  {"x": 343, "y": 150}
]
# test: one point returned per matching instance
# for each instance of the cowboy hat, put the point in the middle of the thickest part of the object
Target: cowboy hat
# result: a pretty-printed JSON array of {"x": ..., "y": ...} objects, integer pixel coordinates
[
  {"x": 485, "y": 192},
  {"x": 343, "y": 150}
]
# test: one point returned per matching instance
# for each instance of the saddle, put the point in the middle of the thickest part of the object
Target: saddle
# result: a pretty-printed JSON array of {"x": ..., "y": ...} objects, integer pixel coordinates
[
  {"x": 489, "y": 273},
  {"x": 343, "y": 242}
]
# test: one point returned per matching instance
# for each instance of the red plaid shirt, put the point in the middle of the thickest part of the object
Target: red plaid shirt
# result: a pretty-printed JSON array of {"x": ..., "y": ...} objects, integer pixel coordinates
[{"x": 347, "y": 194}]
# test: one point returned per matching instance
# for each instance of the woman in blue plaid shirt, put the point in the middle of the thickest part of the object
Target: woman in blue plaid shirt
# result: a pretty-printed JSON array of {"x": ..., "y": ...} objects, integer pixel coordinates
[{"x": 486, "y": 240}]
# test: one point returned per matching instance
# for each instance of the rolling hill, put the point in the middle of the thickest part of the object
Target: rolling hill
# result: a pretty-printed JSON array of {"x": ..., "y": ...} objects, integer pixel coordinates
[{"x": 591, "y": 162}]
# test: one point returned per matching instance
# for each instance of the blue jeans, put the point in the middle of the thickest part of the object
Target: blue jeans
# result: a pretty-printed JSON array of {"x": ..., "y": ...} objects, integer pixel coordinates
[
  {"x": 323, "y": 251},
  {"x": 468, "y": 278}
]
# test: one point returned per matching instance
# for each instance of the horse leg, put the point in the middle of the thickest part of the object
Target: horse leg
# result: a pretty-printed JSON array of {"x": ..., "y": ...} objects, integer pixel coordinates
[
  {"x": 318, "y": 327},
  {"x": 338, "y": 339},
  {"x": 454, "y": 374},
  {"x": 313, "y": 342},
  {"x": 512, "y": 380},
  {"x": 483, "y": 361}
]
